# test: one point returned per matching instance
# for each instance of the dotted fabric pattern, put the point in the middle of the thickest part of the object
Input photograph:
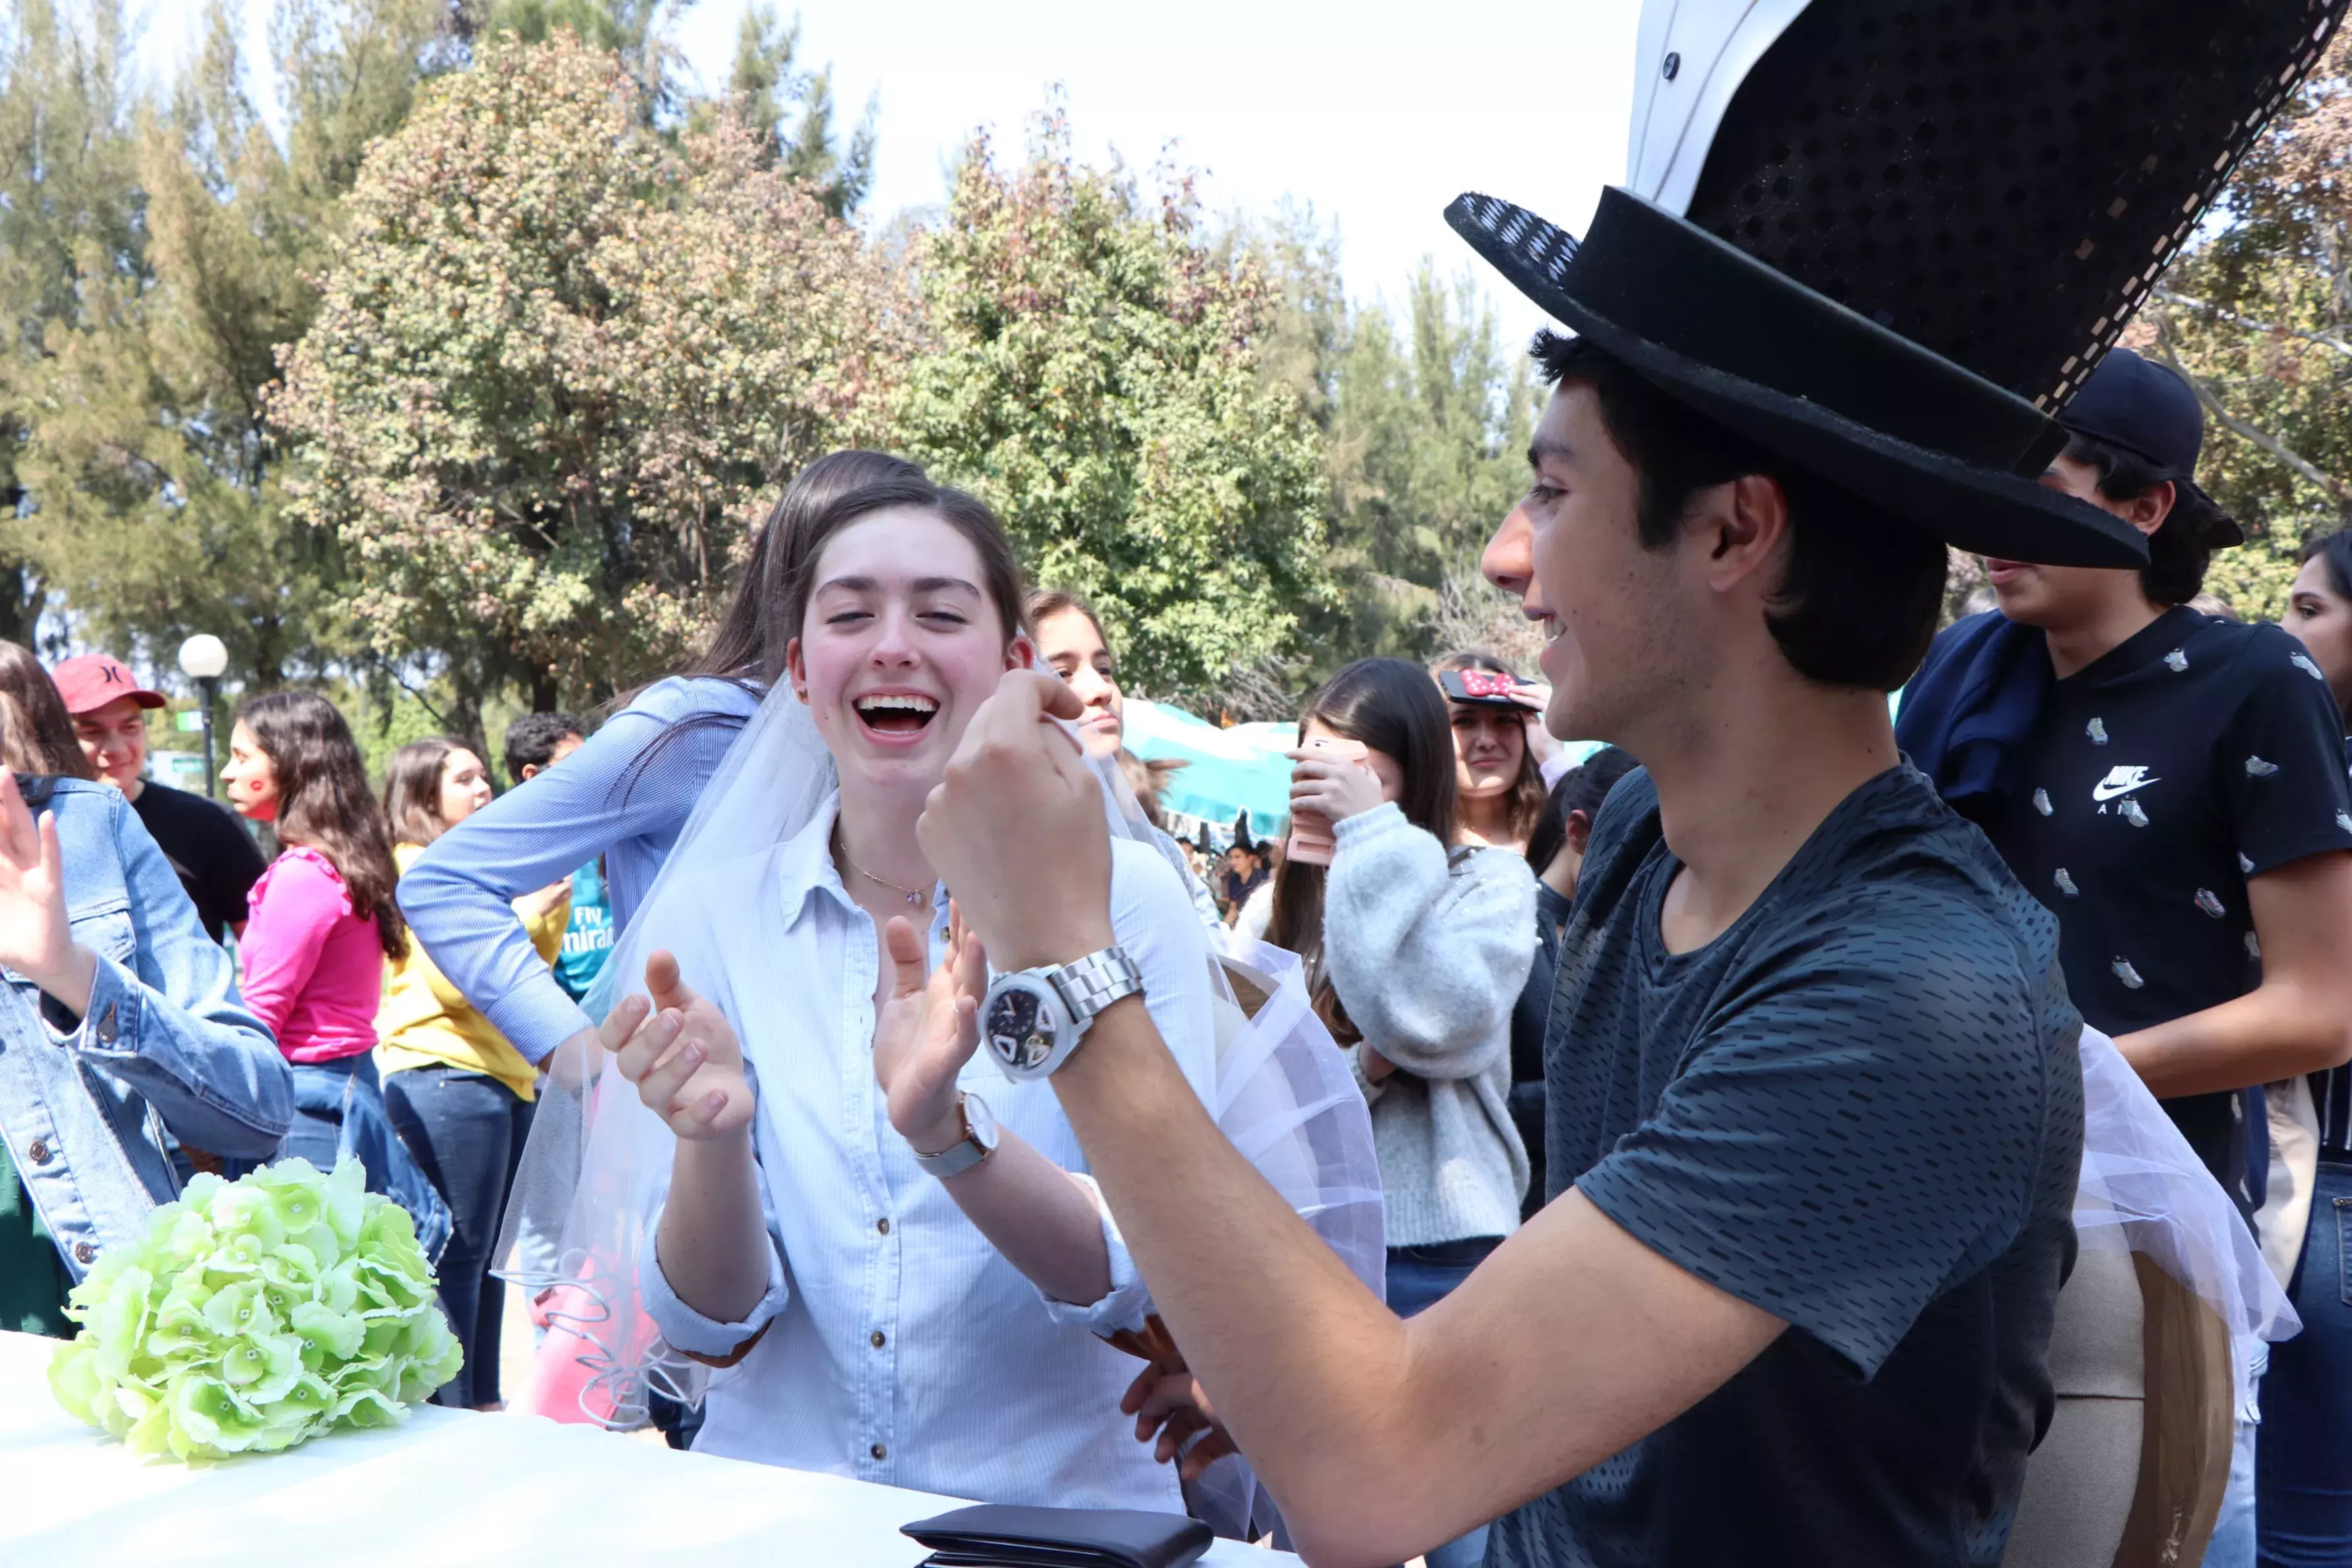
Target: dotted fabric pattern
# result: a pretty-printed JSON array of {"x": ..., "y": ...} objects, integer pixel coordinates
[
  {"x": 2001, "y": 181},
  {"x": 1860, "y": 1108}
]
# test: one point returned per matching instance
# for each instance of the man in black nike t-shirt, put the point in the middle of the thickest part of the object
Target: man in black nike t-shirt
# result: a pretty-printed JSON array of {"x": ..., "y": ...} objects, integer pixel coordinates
[
  {"x": 2171, "y": 786},
  {"x": 2177, "y": 795}
]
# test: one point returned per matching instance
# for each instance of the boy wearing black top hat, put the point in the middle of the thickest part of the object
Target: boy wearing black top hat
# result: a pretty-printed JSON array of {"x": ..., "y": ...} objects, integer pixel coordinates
[{"x": 1814, "y": 1108}]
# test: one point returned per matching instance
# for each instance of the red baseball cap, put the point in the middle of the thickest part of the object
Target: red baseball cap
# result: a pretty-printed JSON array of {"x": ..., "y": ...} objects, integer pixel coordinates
[{"x": 91, "y": 680}]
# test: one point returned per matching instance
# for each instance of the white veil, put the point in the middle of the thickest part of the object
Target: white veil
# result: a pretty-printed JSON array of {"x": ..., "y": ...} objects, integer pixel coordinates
[
  {"x": 2143, "y": 1189},
  {"x": 594, "y": 1173}
]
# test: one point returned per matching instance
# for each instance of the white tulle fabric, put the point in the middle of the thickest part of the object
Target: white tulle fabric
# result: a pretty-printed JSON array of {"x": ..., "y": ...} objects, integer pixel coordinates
[
  {"x": 579, "y": 1225},
  {"x": 2143, "y": 1189}
]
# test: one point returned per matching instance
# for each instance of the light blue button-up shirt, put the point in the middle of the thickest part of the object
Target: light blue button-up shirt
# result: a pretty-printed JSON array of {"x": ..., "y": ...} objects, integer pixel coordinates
[{"x": 901, "y": 1347}]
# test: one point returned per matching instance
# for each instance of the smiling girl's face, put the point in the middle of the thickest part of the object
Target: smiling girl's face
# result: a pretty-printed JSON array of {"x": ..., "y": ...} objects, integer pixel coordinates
[
  {"x": 1073, "y": 645},
  {"x": 900, "y": 643}
]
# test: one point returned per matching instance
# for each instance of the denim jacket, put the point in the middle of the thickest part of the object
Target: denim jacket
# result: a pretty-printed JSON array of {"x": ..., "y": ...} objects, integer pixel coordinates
[{"x": 166, "y": 1043}]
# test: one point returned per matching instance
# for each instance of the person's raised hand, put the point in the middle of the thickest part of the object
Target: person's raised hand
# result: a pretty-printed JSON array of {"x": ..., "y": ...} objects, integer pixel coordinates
[
  {"x": 684, "y": 1057},
  {"x": 1170, "y": 1409},
  {"x": 540, "y": 902},
  {"x": 1332, "y": 786},
  {"x": 1017, "y": 829},
  {"x": 927, "y": 1031},
  {"x": 35, "y": 937}
]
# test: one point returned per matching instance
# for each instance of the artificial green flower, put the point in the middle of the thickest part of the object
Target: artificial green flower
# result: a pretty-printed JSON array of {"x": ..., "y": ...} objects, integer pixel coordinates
[
  {"x": 255, "y": 1314},
  {"x": 209, "y": 1418},
  {"x": 337, "y": 1335}
]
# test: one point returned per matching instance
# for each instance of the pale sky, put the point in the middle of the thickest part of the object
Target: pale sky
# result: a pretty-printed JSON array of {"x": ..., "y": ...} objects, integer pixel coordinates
[{"x": 1377, "y": 114}]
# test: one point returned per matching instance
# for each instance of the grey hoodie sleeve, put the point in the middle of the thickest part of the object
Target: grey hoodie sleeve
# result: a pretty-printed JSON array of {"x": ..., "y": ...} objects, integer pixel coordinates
[{"x": 1427, "y": 957}]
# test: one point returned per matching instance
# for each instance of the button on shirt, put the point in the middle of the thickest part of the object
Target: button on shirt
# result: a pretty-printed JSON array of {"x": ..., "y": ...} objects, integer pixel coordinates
[{"x": 900, "y": 1347}]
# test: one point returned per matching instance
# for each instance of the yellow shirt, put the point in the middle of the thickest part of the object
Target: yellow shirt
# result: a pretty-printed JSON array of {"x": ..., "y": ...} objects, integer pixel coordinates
[{"x": 424, "y": 1019}]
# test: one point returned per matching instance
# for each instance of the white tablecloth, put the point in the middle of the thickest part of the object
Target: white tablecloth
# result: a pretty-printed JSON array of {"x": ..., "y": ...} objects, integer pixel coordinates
[{"x": 446, "y": 1490}]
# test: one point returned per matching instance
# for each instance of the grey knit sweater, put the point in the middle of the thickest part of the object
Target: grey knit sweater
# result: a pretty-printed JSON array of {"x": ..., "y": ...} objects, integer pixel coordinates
[{"x": 1427, "y": 957}]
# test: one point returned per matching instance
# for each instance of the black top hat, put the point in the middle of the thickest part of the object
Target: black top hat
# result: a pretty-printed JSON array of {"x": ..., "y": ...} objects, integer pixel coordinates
[
  {"x": 2000, "y": 183},
  {"x": 1993, "y": 189},
  {"x": 1804, "y": 377}
]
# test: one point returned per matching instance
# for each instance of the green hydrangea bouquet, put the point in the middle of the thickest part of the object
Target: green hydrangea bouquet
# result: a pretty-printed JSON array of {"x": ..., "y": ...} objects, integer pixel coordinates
[{"x": 254, "y": 1314}]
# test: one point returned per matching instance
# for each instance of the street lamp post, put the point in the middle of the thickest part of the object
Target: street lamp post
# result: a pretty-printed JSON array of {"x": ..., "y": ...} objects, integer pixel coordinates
[{"x": 202, "y": 658}]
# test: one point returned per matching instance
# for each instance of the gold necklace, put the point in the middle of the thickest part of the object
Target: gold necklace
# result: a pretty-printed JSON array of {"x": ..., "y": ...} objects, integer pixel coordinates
[{"x": 841, "y": 843}]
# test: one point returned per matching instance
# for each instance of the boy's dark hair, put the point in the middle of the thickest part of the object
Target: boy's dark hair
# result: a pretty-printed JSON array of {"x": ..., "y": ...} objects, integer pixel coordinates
[
  {"x": 532, "y": 740},
  {"x": 2177, "y": 553},
  {"x": 1859, "y": 602},
  {"x": 1583, "y": 788}
]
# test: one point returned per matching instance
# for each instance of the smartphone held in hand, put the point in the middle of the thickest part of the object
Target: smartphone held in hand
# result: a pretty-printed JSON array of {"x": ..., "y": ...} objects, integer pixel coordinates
[{"x": 1310, "y": 831}]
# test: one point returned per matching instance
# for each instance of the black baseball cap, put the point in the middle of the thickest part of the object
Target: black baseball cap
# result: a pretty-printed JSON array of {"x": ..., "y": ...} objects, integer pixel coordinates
[{"x": 2151, "y": 411}]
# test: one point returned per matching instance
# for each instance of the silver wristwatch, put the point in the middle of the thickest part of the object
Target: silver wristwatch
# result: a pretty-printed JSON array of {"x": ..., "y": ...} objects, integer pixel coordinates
[
  {"x": 1033, "y": 1018},
  {"x": 978, "y": 1142}
]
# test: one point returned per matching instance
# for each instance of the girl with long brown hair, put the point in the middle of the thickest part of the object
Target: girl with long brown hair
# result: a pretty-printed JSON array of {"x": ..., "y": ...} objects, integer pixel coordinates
[
  {"x": 884, "y": 1201},
  {"x": 1416, "y": 949},
  {"x": 459, "y": 1095},
  {"x": 322, "y": 924}
]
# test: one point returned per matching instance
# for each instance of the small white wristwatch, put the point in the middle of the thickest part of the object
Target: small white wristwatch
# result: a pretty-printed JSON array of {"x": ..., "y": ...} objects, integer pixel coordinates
[
  {"x": 1033, "y": 1018},
  {"x": 978, "y": 1142}
]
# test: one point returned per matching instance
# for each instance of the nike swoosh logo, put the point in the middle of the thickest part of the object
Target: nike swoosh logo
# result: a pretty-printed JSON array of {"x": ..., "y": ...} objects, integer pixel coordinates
[{"x": 2103, "y": 790}]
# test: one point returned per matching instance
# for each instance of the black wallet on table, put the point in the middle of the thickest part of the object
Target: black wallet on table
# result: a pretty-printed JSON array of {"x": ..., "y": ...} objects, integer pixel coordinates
[{"x": 1003, "y": 1535}]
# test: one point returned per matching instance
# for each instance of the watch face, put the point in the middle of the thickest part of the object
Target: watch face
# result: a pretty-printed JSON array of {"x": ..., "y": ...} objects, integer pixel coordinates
[
  {"x": 980, "y": 1121},
  {"x": 1021, "y": 1029}
]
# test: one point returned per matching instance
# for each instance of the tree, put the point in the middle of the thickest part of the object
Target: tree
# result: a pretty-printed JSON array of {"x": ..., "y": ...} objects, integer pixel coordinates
[
  {"x": 2259, "y": 316},
  {"x": 1425, "y": 418},
  {"x": 634, "y": 32},
  {"x": 156, "y": 502},
  {"x": 68, "y": 200},
  {"x": 1090, "y": 369},
  {"x": 1428, "y": 451},
  {"x": 559, "y": 362},
  {"x": 791, "y": 111}
]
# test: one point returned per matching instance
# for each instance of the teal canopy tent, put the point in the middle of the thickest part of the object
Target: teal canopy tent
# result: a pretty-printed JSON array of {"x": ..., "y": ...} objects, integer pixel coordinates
[{"x": 1225, "y": 771}]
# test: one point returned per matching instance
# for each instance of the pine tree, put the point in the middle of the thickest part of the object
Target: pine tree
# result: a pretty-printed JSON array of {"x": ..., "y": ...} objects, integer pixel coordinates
[
  {"x": 791, "y": 112},
  {"x": 156, "y": 502},
  {"x": 69, "y": 202}
]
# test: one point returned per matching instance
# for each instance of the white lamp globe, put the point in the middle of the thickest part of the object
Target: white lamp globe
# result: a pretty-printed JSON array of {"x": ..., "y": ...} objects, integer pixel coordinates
[{"x": 204, "y": 656}]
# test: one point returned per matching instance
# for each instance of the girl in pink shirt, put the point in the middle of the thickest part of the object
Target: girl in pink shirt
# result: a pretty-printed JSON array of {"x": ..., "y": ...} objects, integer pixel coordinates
[{"x": 323, "y": 920}]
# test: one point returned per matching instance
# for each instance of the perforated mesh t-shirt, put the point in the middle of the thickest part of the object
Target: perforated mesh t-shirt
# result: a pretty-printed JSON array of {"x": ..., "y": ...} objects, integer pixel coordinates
[{"x": 1861, "y": 1110}]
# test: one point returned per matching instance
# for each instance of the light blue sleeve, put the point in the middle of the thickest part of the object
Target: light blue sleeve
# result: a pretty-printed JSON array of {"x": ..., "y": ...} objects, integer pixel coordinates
[
  {"x": 691, "y": 1332},
  {"x": 169, "y": 1022},
  {"x": 457, "y": 894}
]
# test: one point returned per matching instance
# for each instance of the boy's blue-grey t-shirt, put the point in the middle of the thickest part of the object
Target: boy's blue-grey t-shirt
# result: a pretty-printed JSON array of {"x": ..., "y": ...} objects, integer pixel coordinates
[{"x": 1861, "y": 1110}]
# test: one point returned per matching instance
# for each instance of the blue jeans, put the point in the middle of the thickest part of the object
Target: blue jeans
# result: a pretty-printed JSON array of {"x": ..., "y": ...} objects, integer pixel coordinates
[
  {"x": 2304, "y": 1472},
  {"x": 466, "y": 1132},
  {"x": 339, "y": 1110},
  {"x": 2232, "y": 1546},
  {"x": 1418, "y": 1278}
]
